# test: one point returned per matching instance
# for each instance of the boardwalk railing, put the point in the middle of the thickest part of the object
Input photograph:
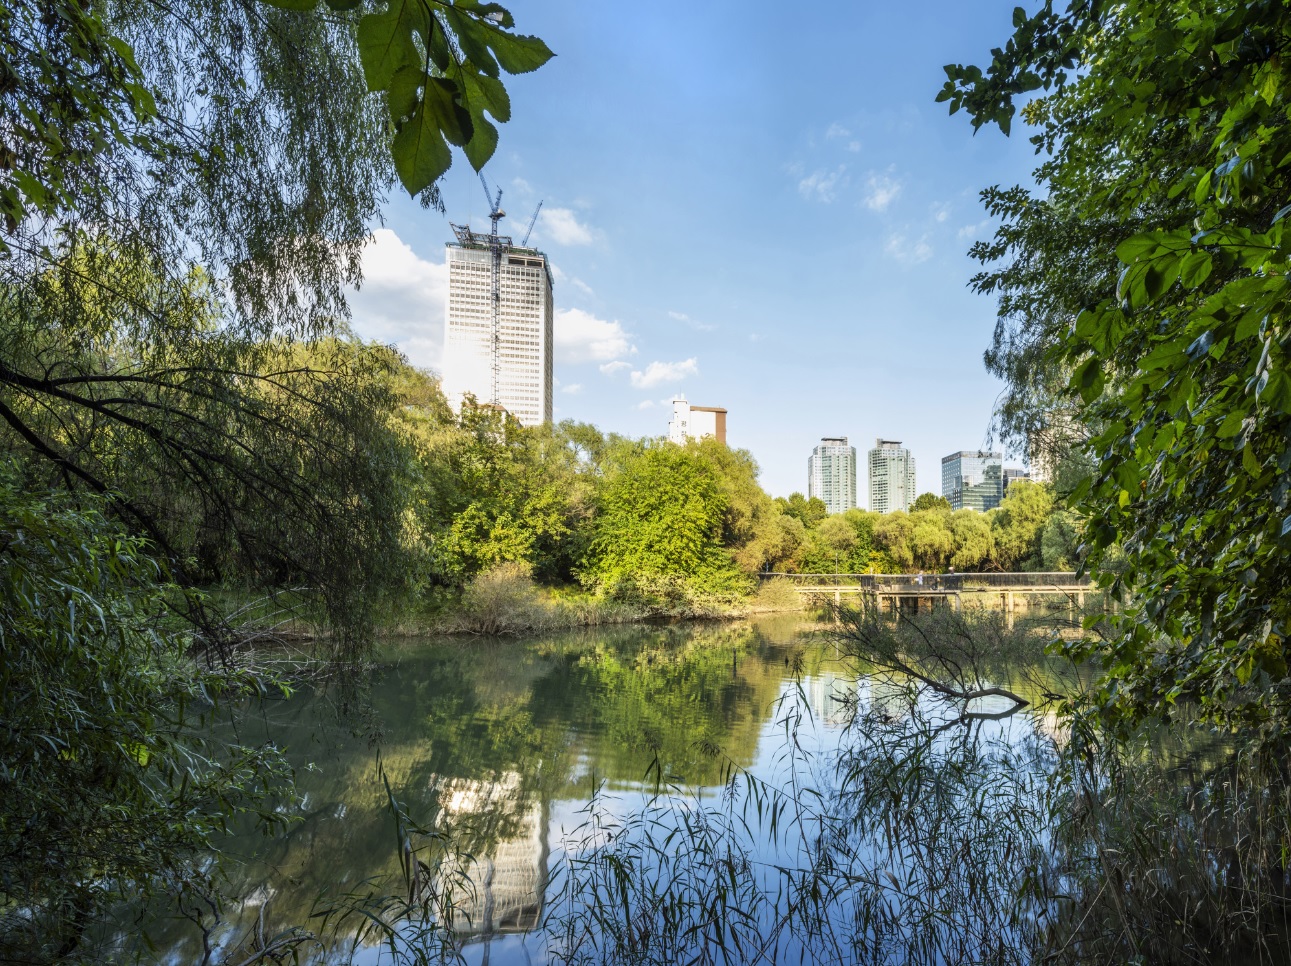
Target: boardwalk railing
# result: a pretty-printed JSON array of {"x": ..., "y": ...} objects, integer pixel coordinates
[{"x": 915, "y": 584}]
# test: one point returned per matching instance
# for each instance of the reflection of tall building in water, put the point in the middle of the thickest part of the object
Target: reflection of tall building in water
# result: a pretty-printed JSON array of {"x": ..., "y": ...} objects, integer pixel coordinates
[
  {"x": 830, "y": 698},
  {"x": 501, "y": 889},
  {"x": 889, "y": 697},
  {"x": 972, "y": 480},
  {"x": 524, "y": 338}
]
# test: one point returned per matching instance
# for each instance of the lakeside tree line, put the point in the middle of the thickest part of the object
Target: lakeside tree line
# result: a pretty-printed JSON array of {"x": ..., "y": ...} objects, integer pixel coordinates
[{"x": 180, "y": 213}]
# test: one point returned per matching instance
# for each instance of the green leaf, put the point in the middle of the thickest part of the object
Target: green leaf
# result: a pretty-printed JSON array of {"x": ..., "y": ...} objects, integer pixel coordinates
[
  {"x": 386, "y": 41},
  {"x": 420, "y": 155},
  {"x": 404, "y": 93},
  {"x": 1163, "y": 356},
  {"x": 517, "y": 53},
  {"x": 292, "y": 4},
  {"x": 1136, "y": 247},
  {"x": 1161, "y": 274},
  {"x": 483, "y": 142},
  {"x": 487, "y": 93},
  {"x": 471, "y": 37},
  {"x": 1089, "y": 379},
  {"x": 441, "y": 103},
  {"x": 484, "y": 93},
  {"x": 1231, "y": 426},
  {"x": 1195, "y": 269},
  {"x": 1249, "y": 462}
]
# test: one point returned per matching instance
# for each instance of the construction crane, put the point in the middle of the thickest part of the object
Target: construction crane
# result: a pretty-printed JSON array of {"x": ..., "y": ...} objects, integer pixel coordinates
[
  {"x": 495, "y": 212},
  {"x": 495, "y": 249},
  {"x": 532, "y": 221}
]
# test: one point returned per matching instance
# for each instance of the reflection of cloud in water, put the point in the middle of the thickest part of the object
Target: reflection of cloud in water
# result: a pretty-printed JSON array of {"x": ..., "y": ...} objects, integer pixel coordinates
[
  {"x": 990, "y": 704},
  {"x": 1049, "y": 724}
]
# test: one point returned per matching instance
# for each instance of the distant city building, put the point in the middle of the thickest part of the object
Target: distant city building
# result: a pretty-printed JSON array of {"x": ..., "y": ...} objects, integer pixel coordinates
[
  {"x": 972, "y": 480},
  {"x": 696, "y": 422},
  {"x": 1012, "y": 475},
  {"x": 892, "y": 485},
  {"x": 831, "y": 474},
  {"x": 524, "y": 337}
]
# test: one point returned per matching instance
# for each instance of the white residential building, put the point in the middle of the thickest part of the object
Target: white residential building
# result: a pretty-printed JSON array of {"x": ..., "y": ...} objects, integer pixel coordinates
[
  {"x": 696, "y": 422},
  {"x": 892, "y": 484},
  {"x": 523, "y": 343},
  {"x": 831, "y": 474}
]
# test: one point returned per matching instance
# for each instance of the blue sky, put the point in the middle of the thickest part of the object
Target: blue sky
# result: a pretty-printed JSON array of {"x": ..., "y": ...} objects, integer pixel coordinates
[{"x": 759, "y": 206}]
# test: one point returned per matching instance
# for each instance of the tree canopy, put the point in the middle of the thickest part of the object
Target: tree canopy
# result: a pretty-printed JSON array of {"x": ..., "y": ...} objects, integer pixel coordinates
[
  {"x": 181, "y": 214},
  {"x": 1145, "y": 286}
]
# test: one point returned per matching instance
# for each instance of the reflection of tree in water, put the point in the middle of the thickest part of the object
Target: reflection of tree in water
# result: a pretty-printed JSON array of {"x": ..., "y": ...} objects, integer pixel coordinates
[
  {"x": 907, "y": 845},
  {"x": 476, "y": 739},
  {"x": 666, "y": 699}
]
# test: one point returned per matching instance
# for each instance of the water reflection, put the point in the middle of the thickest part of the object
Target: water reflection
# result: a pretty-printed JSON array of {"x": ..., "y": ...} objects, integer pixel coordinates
[
  {"x": 502, "y": 890},
  {"x": 493, "y": 745},
  {"x": 492, "y": 752}
]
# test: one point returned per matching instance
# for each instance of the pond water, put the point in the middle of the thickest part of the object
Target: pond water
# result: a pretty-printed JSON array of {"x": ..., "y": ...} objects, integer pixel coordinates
[{"x": 660, "y": 791}]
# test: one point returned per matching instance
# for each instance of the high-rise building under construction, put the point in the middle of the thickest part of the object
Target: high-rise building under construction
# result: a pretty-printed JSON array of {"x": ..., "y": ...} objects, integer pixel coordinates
[{"x": 498, "y": 338}]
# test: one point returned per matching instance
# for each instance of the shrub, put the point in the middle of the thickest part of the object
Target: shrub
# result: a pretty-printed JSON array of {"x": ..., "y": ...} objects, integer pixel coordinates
[
  {"x": 109, "y": 788},
  {"x": 777, "y": 594},
  {"x": 503, "y": 600}
]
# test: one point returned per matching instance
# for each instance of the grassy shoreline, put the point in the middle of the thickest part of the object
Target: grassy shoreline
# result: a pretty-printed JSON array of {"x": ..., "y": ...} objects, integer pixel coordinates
[{"x": 502, "y": 603}]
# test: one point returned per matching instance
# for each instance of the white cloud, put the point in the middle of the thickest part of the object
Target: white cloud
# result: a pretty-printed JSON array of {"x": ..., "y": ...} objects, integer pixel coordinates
[
  {"x": 974, "y": 231},
  {"x": 563, "y": 227},
  {"x": 521, "y": 185},
  {"x": 906, "y": 251},
  {"x": 822, "y": 185},
  {"x": 940, "y": 213},
  {"x": 610, "y": 368},
  {"x": 572, "y": 389},
  {"x": 582, "y": 286},
  {"x": 683, "y": 317},
  {"x": 755, "y": 337},
  {"x": 660, "y": 372},
  {"x": 582, "y": 337},
  {"x": 837, "y": 130},
  {"x": 881, "y": 191},
  {"x": 402, "y": 299},
  {"x": 645, "y": 404},
  {"x": 854, "y": 147}
]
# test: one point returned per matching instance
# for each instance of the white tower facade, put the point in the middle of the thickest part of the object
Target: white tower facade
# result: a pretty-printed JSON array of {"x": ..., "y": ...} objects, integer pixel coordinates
[
  {"x": 523, "y": 343},
  {"x": 695, "y": 422},
  {"x": 831, "y": 474},
  {"x": 892, "y": 485}
]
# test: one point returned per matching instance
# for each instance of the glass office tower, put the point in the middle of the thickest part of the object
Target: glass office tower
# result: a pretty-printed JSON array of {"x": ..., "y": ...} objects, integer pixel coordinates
[{"x": 972, "y": 480}]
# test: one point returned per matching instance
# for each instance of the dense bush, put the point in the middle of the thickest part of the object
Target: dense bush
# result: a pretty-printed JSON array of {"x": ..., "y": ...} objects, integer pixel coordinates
[{"x": 106, "y": 790}]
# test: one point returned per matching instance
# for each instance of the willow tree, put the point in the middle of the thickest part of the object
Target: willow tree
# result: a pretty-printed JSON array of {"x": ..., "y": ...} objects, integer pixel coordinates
[
  {"x": 1150, "y": 273},
  {"x": 180, "y": 208},
  {"x": 185, "y": 190}
]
